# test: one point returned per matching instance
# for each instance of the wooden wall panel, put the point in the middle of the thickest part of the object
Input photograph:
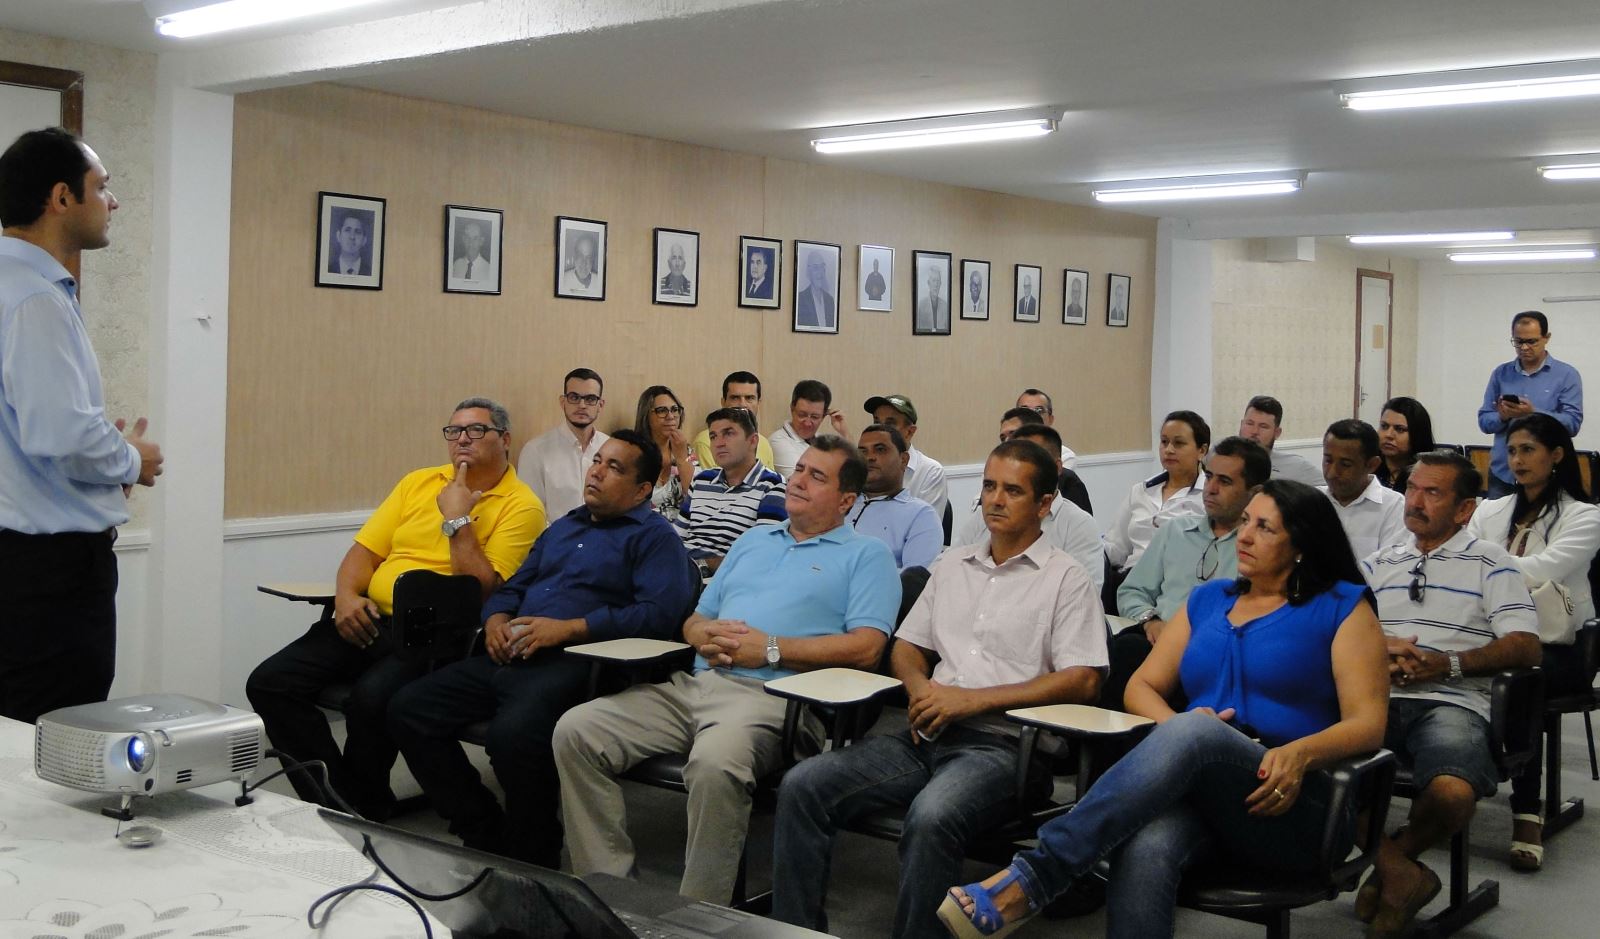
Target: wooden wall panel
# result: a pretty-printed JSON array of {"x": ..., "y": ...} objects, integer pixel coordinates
[{"x": 335, "y": 393}]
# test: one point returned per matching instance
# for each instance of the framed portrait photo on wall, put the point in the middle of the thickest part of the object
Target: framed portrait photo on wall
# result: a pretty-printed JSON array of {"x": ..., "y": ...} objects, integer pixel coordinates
[
  {"x": 930, "y": 293},
  {"x": 472, "y": 249},
  {"x": 677, "y": 270},
  {"x": 875, "y": 273},
  {"x": 816, "y": 287},
  {"x": 350, "y": 241},
  {"x": 974, "y": 289},
  {"x": 1075, "y": 297},
  {"x": 1029, "y": 285},
  {"x": 580, "y": 258},
  {"x": 760, "y": 272},
  {"x": 1119, "y": 288}
]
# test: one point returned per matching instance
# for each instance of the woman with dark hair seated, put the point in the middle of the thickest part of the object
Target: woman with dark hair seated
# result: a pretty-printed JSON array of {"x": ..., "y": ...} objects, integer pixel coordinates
[
  {"x": 1404, "y": 430},
  {"x": 1552, "y": 531},
  {"x": 1285, "y": 672}
]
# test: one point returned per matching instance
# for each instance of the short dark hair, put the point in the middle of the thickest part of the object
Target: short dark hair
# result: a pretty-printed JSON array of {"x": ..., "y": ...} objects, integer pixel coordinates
[
  {"x": 1045, "y": 476},
  {"x": 1046, "y": 435},
  {"x": 741, "y": 378},
  {"x": 1532, "y": 316},
  {"x": 1025, "y": 415},
  {"x": 584, "y": 374},
  {"x": 895, "y": 437},
  {"x": 32, "y": 166},
  {"x": 810, "y": 389},
  {"x": 1468, "y": 481},
  {"x": 340, "y": 216},
  {"x": 853, "y": 472},
  {"x": 647, "y": 465},
  {"x": 1352, "y": 429},
  {"x": 738, "y": 416},
  {"x": 1197, "y": 426},
  {"x": 1257, "y": 461},
  {"x": 1049, "y": 406},
  {"x": 1315, "y": 531},
  {"x": 1267, "y": 404}
]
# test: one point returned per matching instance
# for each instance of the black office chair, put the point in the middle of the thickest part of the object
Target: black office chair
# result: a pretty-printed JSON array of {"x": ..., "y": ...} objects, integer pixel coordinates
[
  {"x": 1516, "y": 708},
  {"x": 1268, "y": 897},
  {"x": 948, "y": 522},
  {"x": 1559, "y": 813},
  {"x": 1073, "y": 490}
]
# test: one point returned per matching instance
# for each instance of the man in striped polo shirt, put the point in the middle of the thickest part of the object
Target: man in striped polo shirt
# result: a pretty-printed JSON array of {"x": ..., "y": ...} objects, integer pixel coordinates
[
  {"x": 1455, "y": 611},
  {"x": 727, "y": 501}
]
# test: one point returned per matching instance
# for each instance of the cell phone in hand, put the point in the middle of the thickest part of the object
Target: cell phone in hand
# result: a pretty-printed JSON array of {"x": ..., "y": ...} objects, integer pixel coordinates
[{"x": 1511, "y": 399}]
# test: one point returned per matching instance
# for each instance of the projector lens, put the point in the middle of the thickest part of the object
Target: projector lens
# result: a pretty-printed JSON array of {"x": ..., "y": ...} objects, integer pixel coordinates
[{"x": 138, "y": 754}]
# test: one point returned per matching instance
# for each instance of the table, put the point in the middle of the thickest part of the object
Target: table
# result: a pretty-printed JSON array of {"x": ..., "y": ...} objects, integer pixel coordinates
[
  {"x": 252, "y": 870},
  {"x": 316, "y": 593}
]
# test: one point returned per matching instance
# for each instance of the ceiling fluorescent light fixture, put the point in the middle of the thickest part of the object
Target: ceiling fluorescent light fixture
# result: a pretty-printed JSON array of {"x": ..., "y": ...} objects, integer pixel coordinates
[
  {"x": 181, "y": 19},
  {"x": 1487, "y": 257},
  {"x": 937, "y": 131},
  {"x": 1571, "y": 166},
  {"x": 1426, "y": 238},
  {"x": 1198, "y": 187},
  {"x": 1473, "y": 86}
]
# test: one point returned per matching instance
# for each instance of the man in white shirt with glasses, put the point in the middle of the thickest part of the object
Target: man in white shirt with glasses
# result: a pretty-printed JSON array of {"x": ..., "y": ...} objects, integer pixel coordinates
[{"x": 553, "y": 464}]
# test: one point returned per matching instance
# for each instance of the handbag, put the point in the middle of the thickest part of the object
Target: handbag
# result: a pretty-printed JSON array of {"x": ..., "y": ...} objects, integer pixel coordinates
[{"x": 1553, "y": 603}]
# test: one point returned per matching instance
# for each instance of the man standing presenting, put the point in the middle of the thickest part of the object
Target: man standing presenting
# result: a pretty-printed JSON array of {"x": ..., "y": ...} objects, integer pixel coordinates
[
  {"x": 1009, "y": 622},
  {"x": 1263, "y": 423},
  {"x": 740, "y": 389},
  {"x": 1533, "y": 381},
  {"x": 554, "y": 463},
  {"x": 64, "y": 468}
]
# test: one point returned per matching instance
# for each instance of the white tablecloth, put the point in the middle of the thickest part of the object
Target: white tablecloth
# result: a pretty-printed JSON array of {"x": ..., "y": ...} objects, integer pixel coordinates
[{"x": 219, "y": 870}]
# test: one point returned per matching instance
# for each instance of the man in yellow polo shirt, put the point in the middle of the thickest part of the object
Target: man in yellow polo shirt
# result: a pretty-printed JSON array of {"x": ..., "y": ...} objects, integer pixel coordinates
[
  {"x": 739, "y": 390},
  {"x": 469, "y": 516}
]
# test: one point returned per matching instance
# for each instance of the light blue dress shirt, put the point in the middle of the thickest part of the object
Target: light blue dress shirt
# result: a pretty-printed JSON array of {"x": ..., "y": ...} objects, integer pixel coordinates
[
  {"x": 62, "y": 463},
  {"x": 908, "y": 525},
  {"x": 1555, "y": 388},
  {"x": 826, "y": 585}
]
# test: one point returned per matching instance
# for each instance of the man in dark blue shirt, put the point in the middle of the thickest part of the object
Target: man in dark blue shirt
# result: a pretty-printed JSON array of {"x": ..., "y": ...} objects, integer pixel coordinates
[{"x": 610, "y": 569}]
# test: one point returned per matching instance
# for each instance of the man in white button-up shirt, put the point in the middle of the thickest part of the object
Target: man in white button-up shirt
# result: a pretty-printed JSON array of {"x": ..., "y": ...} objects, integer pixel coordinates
[
  {"x": 1010, "y": 622},
  {"x": 1373, "y": 515},
  {"x": 554, "y": 463}
]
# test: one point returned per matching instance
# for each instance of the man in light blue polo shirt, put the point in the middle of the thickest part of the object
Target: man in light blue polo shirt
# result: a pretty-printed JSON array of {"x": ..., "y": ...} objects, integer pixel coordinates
[
  {"x": 809, "y": 593},
  {"x": 64, "y": 467},
  {"x": 1533, "y": 381},
  {"x": 886, "y": 511}
]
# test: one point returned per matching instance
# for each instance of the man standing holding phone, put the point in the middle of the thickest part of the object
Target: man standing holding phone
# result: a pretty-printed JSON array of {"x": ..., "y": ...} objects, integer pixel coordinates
[{"x": 1533, "y": 381}]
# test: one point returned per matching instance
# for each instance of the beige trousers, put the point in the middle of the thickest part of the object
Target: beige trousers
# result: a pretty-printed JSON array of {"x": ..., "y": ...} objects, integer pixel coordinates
[{"x": 730, "y": 730}]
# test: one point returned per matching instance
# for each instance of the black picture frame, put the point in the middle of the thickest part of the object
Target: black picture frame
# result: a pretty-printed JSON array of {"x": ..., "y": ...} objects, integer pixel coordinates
[
  {"x": 473, "y": 264},
  {"x": 336, "y": 213},
  {"x": 1069, "y": 316},
  {"x": 1025, "y": 305},
  {"x": 930, "y": 297},
  {"x": 813, "y": 259},
  {"x": 571, "y": 234},
  {"x": 1118, "y": 286},
  {"x": 769, "y": 294},
  {"x": 970, "y": 266},
  {"x": 670, "y": 287}
]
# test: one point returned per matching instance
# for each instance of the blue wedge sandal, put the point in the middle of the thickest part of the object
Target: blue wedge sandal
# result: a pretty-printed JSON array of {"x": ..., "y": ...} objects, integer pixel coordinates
[{"x": 985, "y": 920}]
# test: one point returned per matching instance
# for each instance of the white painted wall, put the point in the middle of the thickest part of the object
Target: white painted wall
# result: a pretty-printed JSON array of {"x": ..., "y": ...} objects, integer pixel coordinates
[{"x": 1463, "y": 332}]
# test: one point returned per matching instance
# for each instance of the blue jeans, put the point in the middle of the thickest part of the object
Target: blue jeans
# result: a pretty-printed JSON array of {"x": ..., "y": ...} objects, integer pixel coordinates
[
  {"x": 1179, "y": 795},
  {"x": 955, "y": 787}
]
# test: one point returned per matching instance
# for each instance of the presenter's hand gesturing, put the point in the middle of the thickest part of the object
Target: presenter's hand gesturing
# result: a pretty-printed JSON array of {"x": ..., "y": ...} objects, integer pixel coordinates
[{"x": 150, "y": 458}]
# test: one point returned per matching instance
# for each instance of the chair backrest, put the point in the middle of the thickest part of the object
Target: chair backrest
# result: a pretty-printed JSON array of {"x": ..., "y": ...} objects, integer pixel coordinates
[
  {"x": 1074, "y": 491},
  {"x": 1586, "y": 470},
  {"x": 1587, "y": 643},
  {"x": 434, "y": 614},
  {"x": 1479, "y": 455},
  {"x": 1516, "y": 718},
  {"x": 1366, "y": 783},
  {"x": 949, "y": 523}
]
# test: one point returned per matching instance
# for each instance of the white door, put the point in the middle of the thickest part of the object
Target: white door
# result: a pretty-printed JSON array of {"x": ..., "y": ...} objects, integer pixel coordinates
[{"x": 1374, "y": 295}]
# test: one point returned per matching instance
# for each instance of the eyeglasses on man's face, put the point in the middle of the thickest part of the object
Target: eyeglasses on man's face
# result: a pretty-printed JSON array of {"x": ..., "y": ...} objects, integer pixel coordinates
[
  {"x": 572, "y": 397},
  {"x": 667, "y": 410},
  {"x": 1527, "y": 343},
  {"x": 473, "y": 431}
]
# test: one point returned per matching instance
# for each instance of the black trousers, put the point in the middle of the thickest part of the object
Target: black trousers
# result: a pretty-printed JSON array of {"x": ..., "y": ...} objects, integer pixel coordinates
[
  {"x": 284, "y": 691},
  {"x": 522, "y": 702},
  {"x": 58, "y": 621}
]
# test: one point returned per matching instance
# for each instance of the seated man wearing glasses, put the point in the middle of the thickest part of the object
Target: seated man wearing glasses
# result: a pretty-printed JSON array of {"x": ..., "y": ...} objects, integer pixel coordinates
[
  {"x": 1455, "y": 611},
  {"x": 1186, "y": 551},
  {"x": 553, "y": 464},
  {"x": 611, "y": 569},
  {"x": 469, "y": 516}
]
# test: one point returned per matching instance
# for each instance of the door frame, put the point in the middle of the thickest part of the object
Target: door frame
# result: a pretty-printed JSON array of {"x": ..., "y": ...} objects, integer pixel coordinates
[{"x": 1388, "y": 343}]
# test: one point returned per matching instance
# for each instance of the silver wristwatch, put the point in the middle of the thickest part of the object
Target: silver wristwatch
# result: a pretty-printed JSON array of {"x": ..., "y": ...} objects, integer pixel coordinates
[
  {"x": 1455, "y": 667},
  {"x": 452, "y": 525},
  {"x": 772, "y": 651}
]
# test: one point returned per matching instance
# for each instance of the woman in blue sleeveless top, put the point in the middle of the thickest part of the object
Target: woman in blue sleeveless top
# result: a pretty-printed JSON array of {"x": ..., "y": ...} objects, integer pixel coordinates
[{"x": 1285, "y": 673}]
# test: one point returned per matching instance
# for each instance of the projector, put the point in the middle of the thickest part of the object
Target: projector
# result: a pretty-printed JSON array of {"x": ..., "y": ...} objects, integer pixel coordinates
[{"x": 146, "y": 745}]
